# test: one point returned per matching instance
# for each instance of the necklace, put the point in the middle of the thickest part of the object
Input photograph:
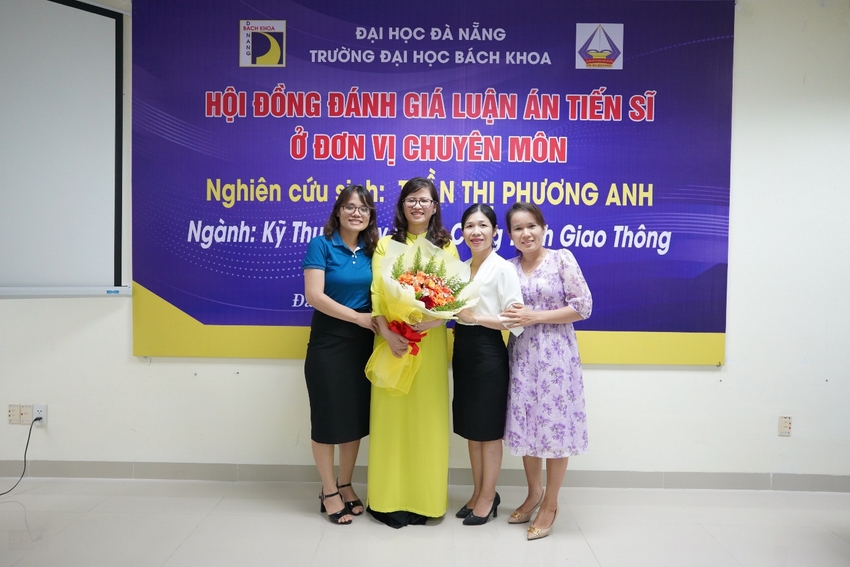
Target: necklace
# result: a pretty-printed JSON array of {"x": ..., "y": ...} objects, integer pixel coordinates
[{"x": 529, "y": 270}]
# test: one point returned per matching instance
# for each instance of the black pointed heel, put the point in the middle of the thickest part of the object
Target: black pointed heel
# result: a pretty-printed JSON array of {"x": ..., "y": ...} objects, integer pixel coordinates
[
  {"x": 336, "y": 517},
  {"x": 463, "y": 512},
  {"x": 353, "y": 504},
  {"x": 473, "y": 520}
]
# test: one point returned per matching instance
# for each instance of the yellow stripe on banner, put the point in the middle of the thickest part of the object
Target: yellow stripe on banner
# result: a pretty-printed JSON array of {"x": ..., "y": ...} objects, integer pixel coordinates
[
  {"x": 160, "y": 329},
  {"x": 609, "y": 347}
]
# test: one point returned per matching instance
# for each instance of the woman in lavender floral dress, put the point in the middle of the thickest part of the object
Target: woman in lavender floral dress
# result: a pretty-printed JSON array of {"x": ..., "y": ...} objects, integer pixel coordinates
[{"x": 545, "y": 418}]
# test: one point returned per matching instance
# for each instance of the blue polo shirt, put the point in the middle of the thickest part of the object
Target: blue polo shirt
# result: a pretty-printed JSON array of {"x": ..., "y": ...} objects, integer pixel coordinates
[{"x": 348, "y": 275}]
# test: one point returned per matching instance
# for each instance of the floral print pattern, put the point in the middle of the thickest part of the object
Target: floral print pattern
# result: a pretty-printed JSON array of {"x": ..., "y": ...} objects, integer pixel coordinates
[{"x": 546, "y": 416}]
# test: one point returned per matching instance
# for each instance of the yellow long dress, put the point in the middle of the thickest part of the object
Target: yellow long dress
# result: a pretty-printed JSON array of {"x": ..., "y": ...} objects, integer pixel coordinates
[{"x": 409, "y": 434}]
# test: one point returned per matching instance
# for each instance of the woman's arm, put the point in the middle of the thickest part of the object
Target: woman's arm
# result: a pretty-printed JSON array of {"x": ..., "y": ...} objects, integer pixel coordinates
[
  {"x": 504, "y": 283},
  {"x": 314, "y": 292},
  {"x": 579, "y": 301},
  {"x": 489, "y": 321},
  {"x": 575, "y": 286},
  {"x": 521, "y": 316}
]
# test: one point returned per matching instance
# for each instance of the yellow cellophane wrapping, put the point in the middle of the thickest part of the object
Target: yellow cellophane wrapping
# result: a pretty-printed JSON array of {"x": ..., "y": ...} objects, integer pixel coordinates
[{"x": 384, "y": 369}]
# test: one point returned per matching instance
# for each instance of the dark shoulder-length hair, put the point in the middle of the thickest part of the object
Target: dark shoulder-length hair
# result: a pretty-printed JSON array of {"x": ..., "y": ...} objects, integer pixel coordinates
[
  {"x": 482, "y": 208},
  {"x": 369, "y": 235},
  {"x": 436, "y": 234},
  {"x": 529, "y": 208}
]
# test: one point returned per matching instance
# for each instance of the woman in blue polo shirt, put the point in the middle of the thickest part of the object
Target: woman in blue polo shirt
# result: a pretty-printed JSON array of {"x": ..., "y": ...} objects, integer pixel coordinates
[{"x": 337, "y": 278}]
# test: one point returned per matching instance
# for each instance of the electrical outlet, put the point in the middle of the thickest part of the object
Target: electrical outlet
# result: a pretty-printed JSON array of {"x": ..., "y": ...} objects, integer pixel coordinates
[
  {"x": 14, "y": 414},
  {"x": 26, "y": 414},
  {"x": 40, "y": 410},
  {"x": 785, "y": 426}
]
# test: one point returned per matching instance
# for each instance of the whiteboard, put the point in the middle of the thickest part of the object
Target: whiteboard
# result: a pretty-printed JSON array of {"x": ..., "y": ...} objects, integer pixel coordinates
[{"x": 61, "y": 67}]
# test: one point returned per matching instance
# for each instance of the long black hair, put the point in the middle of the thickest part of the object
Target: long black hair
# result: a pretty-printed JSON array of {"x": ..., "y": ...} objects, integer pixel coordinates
[
  {"x": 436, "y": 234},
  {"x": 368, "y": 234}
]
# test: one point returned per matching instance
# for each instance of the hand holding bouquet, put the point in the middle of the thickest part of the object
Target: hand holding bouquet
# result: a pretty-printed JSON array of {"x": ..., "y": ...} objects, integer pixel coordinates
[{"x": 420, "y": 282}]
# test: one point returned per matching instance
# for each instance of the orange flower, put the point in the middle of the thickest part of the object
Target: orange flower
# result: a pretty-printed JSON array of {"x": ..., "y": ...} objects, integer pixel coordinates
[{"x": 428, "y": 288}]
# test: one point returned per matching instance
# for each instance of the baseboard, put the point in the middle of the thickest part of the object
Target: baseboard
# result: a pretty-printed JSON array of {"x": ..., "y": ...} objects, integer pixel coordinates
[{"x": 460, "y": 476}]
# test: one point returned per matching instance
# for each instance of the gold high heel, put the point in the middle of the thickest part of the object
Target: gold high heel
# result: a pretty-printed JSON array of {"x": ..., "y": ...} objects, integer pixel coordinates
[
  {"x": 522, "y": 517},
  {"x": 539, "y": 533}
]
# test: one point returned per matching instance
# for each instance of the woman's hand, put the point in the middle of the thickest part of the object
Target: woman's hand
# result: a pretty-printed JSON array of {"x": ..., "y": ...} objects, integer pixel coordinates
[
  {"x": 467, "y": 316},
  {"x": 365, "y": 320},
  {"x": 397, "y": 343},
  {"x": 518, "y": 315}
]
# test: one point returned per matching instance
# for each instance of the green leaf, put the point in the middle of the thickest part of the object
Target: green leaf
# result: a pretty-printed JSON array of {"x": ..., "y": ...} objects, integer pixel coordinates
[
  {"x": 431, "y": 266},
  {"x": 441, "y": 271},
  {"x": 453, "y": 306},
  {"x": 398, "y": 267}
]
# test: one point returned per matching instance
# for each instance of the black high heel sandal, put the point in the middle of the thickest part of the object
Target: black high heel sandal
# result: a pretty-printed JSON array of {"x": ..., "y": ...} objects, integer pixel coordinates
[
  {"x": 353, "y": 504},
  {"x": 336, "y": 517},
  {"x": 473, "y": 520}
]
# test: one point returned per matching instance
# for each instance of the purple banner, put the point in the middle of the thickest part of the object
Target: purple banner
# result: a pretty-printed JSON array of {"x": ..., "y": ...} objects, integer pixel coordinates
[{"x": 614, "y": 117}]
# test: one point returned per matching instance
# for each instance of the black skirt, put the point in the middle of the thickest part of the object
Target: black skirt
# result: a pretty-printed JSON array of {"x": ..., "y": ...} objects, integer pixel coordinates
[
  {"x": 481, "y": 377},
  {"x": 336, "y": 382}
]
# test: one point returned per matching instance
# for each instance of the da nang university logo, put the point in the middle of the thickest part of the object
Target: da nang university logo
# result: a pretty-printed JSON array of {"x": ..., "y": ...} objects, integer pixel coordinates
[
  {"x": 262, "y": 43},
  {"x": 599, "y": 46}
]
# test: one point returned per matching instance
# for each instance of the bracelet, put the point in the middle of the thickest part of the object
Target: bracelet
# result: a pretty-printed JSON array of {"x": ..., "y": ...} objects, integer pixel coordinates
[{"x": 476, "y": 319}]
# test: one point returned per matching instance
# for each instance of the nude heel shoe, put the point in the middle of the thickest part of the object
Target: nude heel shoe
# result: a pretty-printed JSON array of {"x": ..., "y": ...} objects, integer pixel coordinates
[
  {"x": 540, "y": 533},
  {"x": 522, "y": 517}
]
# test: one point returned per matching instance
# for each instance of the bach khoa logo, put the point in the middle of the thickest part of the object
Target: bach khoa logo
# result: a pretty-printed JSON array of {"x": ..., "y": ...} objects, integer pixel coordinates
[
  {"x": 262, "y": 43},
  {"x": 599, "y": 46}
]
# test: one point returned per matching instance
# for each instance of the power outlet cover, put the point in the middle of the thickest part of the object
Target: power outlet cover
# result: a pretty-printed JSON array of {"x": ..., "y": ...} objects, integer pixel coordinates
[
  {"x": 785, "y": 426},
  {"x": 40, "y": 410},
  {"x": 26, "y": 414},
  {"x": 14, "y": 414}
]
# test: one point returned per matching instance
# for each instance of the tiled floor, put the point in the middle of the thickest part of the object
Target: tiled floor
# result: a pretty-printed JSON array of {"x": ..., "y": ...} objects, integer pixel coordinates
[{"x": 90, "y": 523}]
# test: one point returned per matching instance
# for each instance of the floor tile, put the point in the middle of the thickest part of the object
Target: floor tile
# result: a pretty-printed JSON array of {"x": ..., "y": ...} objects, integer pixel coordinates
[
  {"x": 255, "y": 541},
  {"x": 107, "y": 540},
  {"x": 22, "y": 532},
  {"x": 788, "y": 546},
  {"x": 630, "y": 514},
  {"x": 655, "y": 545},
  {"x": 94, "y": 522}
]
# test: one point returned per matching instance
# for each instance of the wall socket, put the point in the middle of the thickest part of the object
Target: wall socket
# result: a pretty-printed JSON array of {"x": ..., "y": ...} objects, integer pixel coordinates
[
  {"x": 40, "y": 410},
  {"x": 785, "y": 426},
  {"x": 24, "y": 414}
]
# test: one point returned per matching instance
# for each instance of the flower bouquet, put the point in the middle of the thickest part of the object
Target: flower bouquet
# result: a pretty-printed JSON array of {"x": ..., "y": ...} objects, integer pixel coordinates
[{"x": 420, "y": 282}]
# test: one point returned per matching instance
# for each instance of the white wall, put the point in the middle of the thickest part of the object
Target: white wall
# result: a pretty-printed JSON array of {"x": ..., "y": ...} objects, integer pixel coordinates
[{"x": 788, "y": 331}]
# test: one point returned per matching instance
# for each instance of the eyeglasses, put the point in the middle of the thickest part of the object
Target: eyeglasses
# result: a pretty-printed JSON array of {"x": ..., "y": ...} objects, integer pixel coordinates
[
  {"x": 364, "y": 210},
  {"x": 424, "y": 203}
]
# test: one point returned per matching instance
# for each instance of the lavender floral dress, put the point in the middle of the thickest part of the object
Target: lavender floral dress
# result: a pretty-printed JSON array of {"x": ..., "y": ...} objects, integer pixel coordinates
[{"x": 546, "y": 397}]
